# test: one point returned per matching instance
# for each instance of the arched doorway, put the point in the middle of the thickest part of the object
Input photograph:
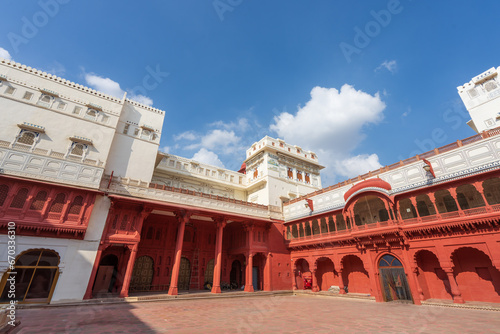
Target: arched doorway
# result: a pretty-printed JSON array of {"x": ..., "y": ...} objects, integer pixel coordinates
[
  {"x": 106, "y": 275},
  {"x": 477, "y": 278},
  {"x": 393, "y": 279},
  {"x": 36, "y": 272},
  {"x": 184, "y": 274},
  {"x": 235, "y": 274},
  {"x": 325, "y": 274},
  {"x": 354, "y": 275},
  {"x": 302, "y": 273},
  {"x": 431, "y": 277},
  {"x": 142, "y": 275}
]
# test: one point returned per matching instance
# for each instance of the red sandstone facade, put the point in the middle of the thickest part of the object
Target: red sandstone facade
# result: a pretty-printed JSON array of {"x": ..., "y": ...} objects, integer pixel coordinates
[{"x": 437, "y": 242}]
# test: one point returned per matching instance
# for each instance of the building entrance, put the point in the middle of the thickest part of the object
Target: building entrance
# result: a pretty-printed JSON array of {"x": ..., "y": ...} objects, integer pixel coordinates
[{"x": 393, "y": 279}]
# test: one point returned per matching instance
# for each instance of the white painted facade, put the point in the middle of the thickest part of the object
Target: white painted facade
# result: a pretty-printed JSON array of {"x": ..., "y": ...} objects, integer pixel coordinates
[
  {"x": 58, "y": 115},
  {"x": 481, "y": 97}
]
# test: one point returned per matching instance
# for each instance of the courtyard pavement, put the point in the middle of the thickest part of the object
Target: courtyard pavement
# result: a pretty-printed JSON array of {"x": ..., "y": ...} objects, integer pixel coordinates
[{"x": 267, "y": 314}]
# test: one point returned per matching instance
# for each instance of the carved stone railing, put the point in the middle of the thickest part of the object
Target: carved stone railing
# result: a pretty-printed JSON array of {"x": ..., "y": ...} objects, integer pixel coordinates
[
  {"x": 171, "y": 195},
  {"x": 48, "y": 166}
]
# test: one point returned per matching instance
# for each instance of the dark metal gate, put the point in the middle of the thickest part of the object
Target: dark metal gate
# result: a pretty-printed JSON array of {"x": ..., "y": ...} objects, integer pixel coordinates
[{"x": 393, "y": 279}]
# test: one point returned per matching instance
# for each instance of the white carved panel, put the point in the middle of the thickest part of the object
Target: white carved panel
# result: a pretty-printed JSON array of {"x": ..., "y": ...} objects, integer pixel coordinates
[{"x": 46, "y": 168}]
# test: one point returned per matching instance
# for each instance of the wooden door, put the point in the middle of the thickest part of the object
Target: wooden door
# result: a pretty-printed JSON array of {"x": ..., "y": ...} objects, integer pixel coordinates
[{"x": 184, "y": 274}]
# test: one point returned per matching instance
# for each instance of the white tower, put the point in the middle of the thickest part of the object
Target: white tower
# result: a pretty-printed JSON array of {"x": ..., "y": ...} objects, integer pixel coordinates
[
  {"x": 277, "y": 172},
  {"x": 481, "y": 97}
]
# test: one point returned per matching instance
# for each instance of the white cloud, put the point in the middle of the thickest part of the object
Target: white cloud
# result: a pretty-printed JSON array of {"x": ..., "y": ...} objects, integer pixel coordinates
[
  {"x": 223, "y": 141},
  {"x": 188, "y": 135},
  {"x": 357, "y": 165},
  {"x": 331, "y": 124},
  {"x": 104, "y": 85},
  {"x": 406, "y": 113},
  {"x": 111, "y": 87},
  {"x": 165, "y": 149},
  {"x": 207, "y": 157},
  {"x": 241, "y": 125},
  {"x": 391, "y": 66},
  {"x": 141, "y": 99},
  {"x": 5, "y": 54}
]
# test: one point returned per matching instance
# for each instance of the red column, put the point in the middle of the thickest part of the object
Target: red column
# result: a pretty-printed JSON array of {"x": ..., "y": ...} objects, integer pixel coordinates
[
  {"x": 453, "y": 193},
  {"x": 128, "y": 272},
  {"x": 218, "y": 256},
  {"x": 267, "y": 273},
  {"x": 432, "y": 197},
  {"x": 314, "y": 281},
  {"x": 182, "y": 218},
  {"x": 479, "y": 187},
  {"x": 414, "y": 203},
  {"x": 341, "y": 282},
  {"x": 455, "y": 291},
  {"x": 294, "y": 272},
  {"x": 249, "y": 273},
  {"x": 373, "y": 277},
  {"x": 88, "y": 293}
]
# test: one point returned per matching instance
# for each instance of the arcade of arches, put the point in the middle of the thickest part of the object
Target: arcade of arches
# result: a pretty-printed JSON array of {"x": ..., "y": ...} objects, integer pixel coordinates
[
  {"x": 157, "y": 248},
  {"x": 439, "y": 242}
]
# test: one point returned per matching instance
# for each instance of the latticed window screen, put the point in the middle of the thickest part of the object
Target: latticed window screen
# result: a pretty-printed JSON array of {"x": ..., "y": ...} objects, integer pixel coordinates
[
  {"x": 123, "y": 225},
  {"x": 115, "y": 221},
  {"x": 19, "y": 199},
  {"x": 39, "y": 201},
  {"x": 490, "y": 85},
  {"x": 77, "y": 149},
  {"x": 58, "y": 203},
  {"x": 4, "y": 190},
  {"x": 76, "y": 206},
  {"x": 27, "y": 138}
]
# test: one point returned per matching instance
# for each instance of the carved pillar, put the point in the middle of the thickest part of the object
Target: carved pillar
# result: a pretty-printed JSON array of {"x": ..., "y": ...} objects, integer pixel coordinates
[
  {"x": 455, "y": 291},
  {"x": 373, "y": 276},
  {"x": 432, "y": 197},
  {"x": 64, "y": 211},
  {"x": 267, "y": 273},
  {"x": 88, "y": 292},
  {"x": 419, "y": 287},
  {"x": 341, "y": 282},
  {"x": 479, "y": 187},
  {"x": 183, "y": 218},
  {"x": 249, "y": 273},
  {"x": 128, "y": 272},
  {"x": 308, "y": 223},
  {"x": 413, "y": 200},
  {"x": 221, "y": 223},
  {"x": 388, "y": 209},
  {"x": 453, "y": 193},
  {"x": 314, "y": 281},
  {"x": 294, "y": 272}
]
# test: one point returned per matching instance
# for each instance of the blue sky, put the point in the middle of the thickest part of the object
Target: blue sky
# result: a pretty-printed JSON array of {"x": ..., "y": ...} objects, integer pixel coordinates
[{"x": 362, "y": 83}]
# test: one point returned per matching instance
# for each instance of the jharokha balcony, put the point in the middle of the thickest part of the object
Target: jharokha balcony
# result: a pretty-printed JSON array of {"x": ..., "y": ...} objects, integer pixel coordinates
[{"x": 373, "y": 218}]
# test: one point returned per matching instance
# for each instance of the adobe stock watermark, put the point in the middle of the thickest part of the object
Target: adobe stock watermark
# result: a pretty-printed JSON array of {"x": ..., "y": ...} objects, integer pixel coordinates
[
  {"x": 371, "y": 29},
  {"x": 455, "y": 116},
  {"x": 10, "y": 309},
  {"x": 31, "y": 25},
  {"x": 223, "y": 6},
  {"x": 150, "y": 81}
]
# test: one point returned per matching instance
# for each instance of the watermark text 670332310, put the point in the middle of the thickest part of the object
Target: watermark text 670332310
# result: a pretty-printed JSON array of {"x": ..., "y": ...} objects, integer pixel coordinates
[{"x": 11, "y": 279}]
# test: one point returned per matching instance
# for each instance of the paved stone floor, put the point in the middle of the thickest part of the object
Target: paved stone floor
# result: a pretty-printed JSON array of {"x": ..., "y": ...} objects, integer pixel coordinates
[{"x": 278, "y": 314}]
